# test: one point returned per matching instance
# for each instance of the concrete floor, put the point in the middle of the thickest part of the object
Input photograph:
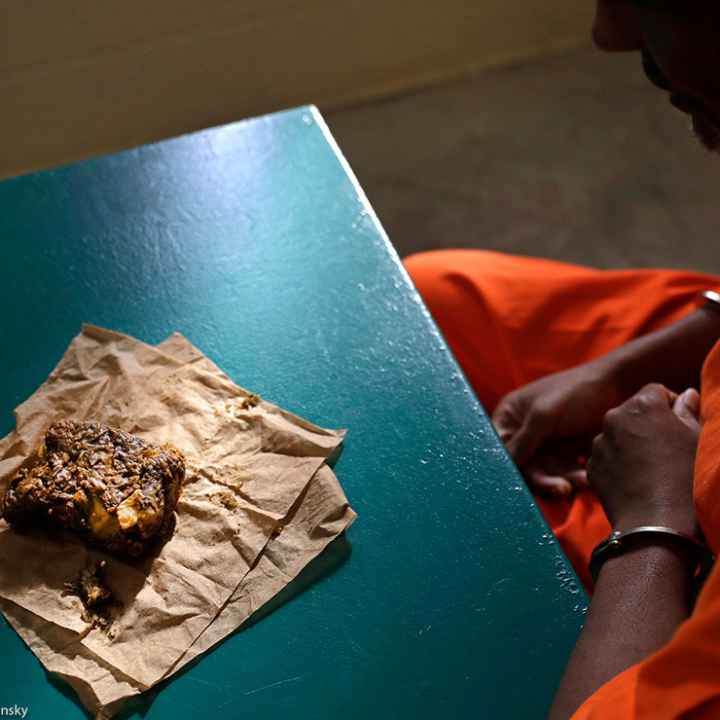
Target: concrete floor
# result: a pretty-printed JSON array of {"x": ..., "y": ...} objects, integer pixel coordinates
[{"x": 576, "y": 158}]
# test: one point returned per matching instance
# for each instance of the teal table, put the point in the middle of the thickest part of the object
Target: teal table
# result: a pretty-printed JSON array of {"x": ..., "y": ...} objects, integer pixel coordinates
[{"x": 448, "y": 598}]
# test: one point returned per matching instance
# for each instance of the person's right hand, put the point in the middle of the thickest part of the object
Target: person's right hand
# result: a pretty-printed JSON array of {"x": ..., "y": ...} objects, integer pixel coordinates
[
  {"x": 642, "y": 463},
  {"x": 567, "y": 406}
]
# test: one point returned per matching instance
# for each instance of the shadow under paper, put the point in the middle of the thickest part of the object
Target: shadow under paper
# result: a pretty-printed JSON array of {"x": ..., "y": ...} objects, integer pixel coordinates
[{"x": 335, "y": 554}]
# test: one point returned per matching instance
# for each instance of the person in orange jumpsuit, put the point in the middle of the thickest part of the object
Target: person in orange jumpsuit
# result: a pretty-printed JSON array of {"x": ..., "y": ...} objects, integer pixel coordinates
[{"x": 590, "y": 377}]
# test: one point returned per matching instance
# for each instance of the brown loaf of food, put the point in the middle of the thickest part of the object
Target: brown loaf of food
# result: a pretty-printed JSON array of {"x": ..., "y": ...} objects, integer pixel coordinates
[{"x": 110, "y": 487}]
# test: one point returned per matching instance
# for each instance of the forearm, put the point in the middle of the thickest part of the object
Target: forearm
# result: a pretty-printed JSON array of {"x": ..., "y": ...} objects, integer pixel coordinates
[
  {"x": 640, "y": 598},
  {"x": 672, "y": 356}
]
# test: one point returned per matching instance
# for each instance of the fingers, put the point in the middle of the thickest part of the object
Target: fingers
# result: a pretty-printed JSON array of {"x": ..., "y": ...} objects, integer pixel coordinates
[
  {"x": 687, "y": 408},
  {"x": 688, "y": 404},
  {"x": 557, "y": 486},
  {"x": 522, "y": 431},
  {"x": 523, "y": 444},
  {"x": 654, "y": 393},
  {"x": 651, "y": 398},
  {"x": 549, "y": 485},
  {"x": 578, "y": 479},
  {"x": 557, "y": 471},
  {"x": 505, "y": 420}
]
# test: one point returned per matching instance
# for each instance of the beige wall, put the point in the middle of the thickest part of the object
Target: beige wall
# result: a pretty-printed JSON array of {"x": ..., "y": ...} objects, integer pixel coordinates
[{"x": 82, "y": 77}]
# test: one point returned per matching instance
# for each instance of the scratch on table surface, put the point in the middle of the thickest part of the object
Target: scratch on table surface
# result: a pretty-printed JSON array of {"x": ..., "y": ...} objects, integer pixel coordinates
[
  {"x": 272, "y": 685},
  {"x": 204, "y": 682}
]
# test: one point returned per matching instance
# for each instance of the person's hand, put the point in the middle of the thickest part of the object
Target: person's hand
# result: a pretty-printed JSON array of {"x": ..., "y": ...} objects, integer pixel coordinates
[
  {"x": 642, "y": 463},
  {"x": 548, "y": 424}
]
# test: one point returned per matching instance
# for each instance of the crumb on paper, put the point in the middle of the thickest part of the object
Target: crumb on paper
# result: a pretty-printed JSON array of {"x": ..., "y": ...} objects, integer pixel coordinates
[
  {"x": 226, "y": 499},
  {"x": 250, "y": 401},
  {"x": 96, "y": 597}
]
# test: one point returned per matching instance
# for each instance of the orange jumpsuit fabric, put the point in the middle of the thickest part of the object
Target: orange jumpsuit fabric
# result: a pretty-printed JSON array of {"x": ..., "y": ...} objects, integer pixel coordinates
[{"x": 510, "y": 320}]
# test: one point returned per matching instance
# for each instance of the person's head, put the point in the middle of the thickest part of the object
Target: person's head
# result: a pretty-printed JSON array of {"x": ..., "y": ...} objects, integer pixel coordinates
[{"x": 680, "y": 45}]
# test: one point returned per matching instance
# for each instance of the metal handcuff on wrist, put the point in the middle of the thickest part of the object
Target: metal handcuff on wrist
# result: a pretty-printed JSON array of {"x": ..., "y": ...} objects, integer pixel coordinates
[{"x": 619, "y": 542}]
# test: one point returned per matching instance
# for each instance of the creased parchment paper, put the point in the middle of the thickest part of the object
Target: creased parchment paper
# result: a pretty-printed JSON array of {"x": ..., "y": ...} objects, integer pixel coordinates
[{"x": 257, "y": 505}]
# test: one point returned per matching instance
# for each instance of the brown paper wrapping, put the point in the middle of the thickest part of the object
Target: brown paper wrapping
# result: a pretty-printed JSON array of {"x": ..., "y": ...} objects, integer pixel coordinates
[{"x": 258, "y": 504}]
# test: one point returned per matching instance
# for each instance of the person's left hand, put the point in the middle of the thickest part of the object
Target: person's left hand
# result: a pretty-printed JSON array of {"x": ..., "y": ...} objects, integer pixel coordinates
[
  {"x": 642, "y": 463},
  {"x": 558, "y": 469}
]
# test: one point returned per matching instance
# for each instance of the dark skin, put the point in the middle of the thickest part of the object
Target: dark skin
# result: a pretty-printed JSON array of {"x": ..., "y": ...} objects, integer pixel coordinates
[
  {"x": 548, "y": 424},
  {"x": 643, "y": 595},
  {"x": 645, "y": 436}
]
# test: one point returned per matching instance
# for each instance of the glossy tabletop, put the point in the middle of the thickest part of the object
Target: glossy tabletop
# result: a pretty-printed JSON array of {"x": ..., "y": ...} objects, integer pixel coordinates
[{"x": 448, "y": 597}]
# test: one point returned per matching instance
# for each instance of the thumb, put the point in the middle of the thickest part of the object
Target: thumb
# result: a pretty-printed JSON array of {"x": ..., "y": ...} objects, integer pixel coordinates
[
  {"x": 687, "y": 408},
  {"x": 505, "y": 418},
  {"x": 525, "y": 442}
]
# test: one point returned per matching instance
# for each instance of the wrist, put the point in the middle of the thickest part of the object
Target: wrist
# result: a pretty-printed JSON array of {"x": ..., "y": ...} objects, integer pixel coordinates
[
  {"x": 654, "y": 556},
  {"x": 648, "y": 541},
  {"x": 629, "y": 367},
  {"x": 672, "y": 355},
  {"x": 611, "y": 372}
]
